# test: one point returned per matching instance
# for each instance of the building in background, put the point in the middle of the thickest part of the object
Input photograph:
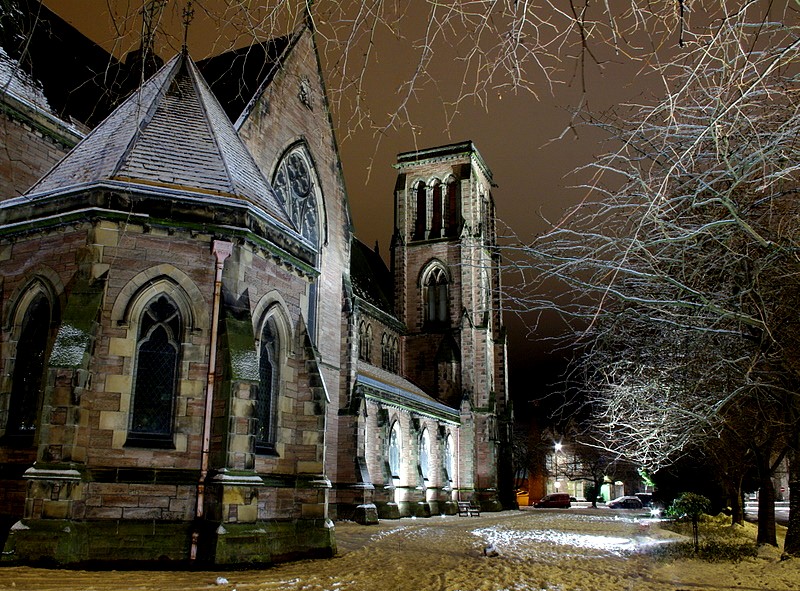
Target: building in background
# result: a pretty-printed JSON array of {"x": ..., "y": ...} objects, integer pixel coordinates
[{"x": 199, "y": 359}]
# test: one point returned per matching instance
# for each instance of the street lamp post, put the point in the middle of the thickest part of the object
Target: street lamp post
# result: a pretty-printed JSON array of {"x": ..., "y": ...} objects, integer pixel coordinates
[{"x": 557, "y": 448}]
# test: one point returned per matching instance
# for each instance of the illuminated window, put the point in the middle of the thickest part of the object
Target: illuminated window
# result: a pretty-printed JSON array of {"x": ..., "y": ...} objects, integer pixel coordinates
[
  {"x": 424, "y": 455},
  {"x": 448, "y": 457},
  {"x": 394, "y": 451}
]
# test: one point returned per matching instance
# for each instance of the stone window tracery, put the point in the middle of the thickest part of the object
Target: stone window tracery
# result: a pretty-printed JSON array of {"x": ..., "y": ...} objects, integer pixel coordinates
[
  {"x": 158, "y": 350},
  {"x": 294, "y": 182},
  {"x": 390, "y": 352},
  {"x": 436, "y": 297},
  {"x": 296, "y": 185},
  {"x": 365, "y": 341}
]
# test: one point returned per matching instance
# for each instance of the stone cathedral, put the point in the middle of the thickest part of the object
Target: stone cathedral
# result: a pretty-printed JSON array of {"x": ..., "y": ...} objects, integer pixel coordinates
[{"x": 198, "y": 359}]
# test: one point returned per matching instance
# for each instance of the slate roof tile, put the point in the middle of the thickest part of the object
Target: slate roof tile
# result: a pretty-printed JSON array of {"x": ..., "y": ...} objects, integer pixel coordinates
[{"x": 172, "y": 133}]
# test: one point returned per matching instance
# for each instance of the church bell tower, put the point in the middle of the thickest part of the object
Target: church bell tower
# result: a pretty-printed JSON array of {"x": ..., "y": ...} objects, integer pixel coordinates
[{"x": 447, "y": 293}]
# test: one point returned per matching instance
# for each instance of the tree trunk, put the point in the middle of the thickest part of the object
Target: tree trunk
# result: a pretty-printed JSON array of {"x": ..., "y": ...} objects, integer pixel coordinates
[
  {"x": 737, "y": 504},
  {"x": 598, "y": 487},
  {"x": 791, "y": 545},
  {"x": 766, "y": 509}
]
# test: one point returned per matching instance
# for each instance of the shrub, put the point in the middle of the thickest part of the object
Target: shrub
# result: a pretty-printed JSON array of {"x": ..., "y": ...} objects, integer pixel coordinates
[
  {"x": 710, "y": 550},
  {"x": 692, "y": 506}
]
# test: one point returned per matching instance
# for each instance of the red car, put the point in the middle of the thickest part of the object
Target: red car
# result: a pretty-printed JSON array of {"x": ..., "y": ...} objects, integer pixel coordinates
[{"x": 554, "y": 501}]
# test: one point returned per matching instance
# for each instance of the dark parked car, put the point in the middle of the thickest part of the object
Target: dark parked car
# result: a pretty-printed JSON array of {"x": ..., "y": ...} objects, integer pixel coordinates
[
  {"x": 646, "y": 499},
  {"x": 554, "y": 501},
  {"x": 629, "y": 502}
]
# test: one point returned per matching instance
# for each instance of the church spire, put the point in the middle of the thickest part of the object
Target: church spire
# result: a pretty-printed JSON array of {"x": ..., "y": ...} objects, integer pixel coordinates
[{"x": 188, "y": 16}]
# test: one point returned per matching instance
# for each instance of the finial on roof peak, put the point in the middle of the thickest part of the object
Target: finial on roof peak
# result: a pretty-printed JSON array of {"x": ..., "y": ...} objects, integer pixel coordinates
[{"x": 188, "y": 16}]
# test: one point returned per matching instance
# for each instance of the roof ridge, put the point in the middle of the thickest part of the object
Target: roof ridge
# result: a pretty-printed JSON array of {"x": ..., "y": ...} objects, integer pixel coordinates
[
  {"x": 292, "y": 38},
  {"x": 207, "y": 101},
  {"x": 96, "y": 134},
  {"x": 145, "y": 120},
  {"x": 212, "y": 132}
]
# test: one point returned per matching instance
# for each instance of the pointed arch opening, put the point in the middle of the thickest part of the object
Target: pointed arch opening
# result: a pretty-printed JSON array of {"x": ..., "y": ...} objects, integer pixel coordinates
[
  {"x": 365, "y": 341},
  {"x": 447, "y": 459},
  {"x": 453, "y": 222},
  {"x": 436, "y": 295},
  {"x": 394, "y": 451},
  {"x": 390, "y": 352},
  {"x": 421, "y": 212},
  {"x": 296, "y": 183},
  {"x": 156, "y": 373},
  {"x": 437, "y": 209},
  {"x": 265, "y": 413},
  {"x": 424, "y": 456},
  {"x": 27, "y": 381}
]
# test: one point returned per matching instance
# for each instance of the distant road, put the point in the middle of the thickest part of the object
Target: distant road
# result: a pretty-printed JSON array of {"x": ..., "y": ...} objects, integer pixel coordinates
[{"x": 781, "y": 512}]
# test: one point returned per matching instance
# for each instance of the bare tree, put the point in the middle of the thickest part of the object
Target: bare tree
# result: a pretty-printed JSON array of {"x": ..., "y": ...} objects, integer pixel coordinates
[
  {"x": 683, "y": 270},
  {"x": 694, "y": 245}
]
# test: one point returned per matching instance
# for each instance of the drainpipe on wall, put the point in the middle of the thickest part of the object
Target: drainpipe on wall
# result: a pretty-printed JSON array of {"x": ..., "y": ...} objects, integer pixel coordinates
[
  {"x": 221, "y": 250},
  {"x": 458, "y": 463}
]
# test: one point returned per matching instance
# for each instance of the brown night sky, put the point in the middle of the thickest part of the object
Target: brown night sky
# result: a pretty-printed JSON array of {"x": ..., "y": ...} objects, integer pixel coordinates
[{"x": 516, "y": 133}]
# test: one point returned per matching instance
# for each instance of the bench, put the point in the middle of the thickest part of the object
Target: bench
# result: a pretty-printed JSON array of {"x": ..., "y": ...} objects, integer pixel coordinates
[{"x": 466, "y": 509}]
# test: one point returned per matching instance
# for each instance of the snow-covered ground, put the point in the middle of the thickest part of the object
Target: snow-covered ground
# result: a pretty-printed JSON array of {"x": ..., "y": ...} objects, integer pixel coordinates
[{"x": 541, "y": 550}]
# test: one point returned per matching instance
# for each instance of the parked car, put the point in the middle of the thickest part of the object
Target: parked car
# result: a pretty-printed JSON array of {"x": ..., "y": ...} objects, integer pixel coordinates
[
  {"x": 646, "y": 499},
  {"x": 554, "y": 501},
  {"x": 628, "y": 502}
]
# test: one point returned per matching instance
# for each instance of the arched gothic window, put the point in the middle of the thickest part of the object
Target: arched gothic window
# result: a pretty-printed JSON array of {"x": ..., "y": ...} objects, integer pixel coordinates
[
  {"x": 424, "y": 455},
  {"x": 448, "y": 457},
  {"x": 421, "y": 218},
  {"x": 453, "y": 217},
  {"x": 390, "y": 352},
  {"x": 268, "y": 388},
  {"x": 436, "y": 296},
  {"x": 295, "y": 184},
  {"x": 385, "y": 360},
  {"x": 365, "y": 342},
  {"x": 394, "y": 451},
  {"x": 394, "y": 355},
  {"x": 27, "y": 380},
  {"x": 437, "y": 210},
  {"x": 155, "y": 383}
]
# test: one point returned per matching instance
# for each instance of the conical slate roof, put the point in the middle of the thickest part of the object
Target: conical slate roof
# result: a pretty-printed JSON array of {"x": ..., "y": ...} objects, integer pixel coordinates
[{"x": 170, "y": 134}]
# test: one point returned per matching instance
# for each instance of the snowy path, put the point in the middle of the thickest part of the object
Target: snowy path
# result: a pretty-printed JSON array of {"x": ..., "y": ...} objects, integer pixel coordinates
[{"x": 578, "y": 550}]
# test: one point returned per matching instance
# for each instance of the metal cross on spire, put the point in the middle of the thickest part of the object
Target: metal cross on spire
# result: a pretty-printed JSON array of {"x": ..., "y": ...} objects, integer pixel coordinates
[{"x": 188, "y": 15}]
